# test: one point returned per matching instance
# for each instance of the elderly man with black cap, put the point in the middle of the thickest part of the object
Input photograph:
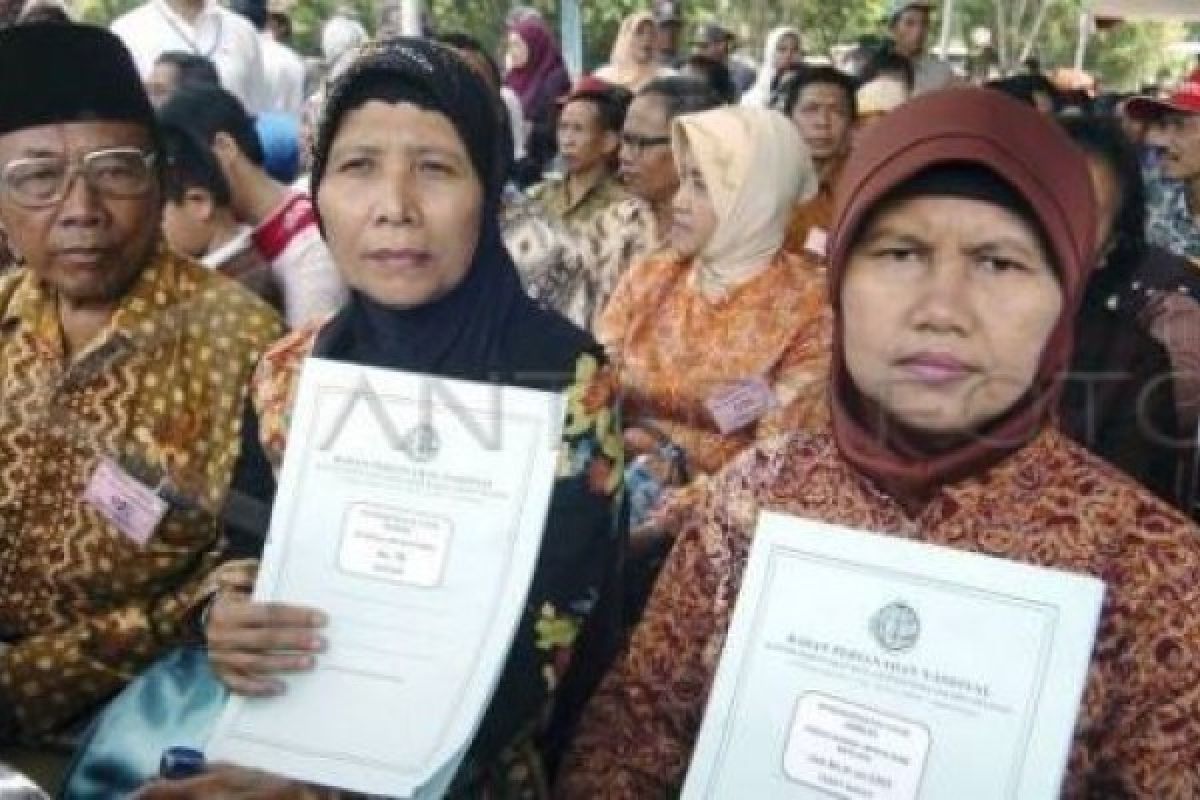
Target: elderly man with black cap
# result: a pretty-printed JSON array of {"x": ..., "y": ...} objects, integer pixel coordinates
[
  {"x": 908, "y": 24},
  {"x": 123, "y": 375}
]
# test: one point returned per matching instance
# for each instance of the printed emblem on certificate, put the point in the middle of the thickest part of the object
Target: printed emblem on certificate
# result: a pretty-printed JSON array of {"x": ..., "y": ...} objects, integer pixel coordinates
[{"x": 859, "y": 666}]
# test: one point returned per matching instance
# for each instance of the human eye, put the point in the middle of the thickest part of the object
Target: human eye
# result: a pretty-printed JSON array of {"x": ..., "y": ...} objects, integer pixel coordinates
[
  {"x": 434, "y": 166},
  {"x": 37, "y": 176},
  {"x": 115, "y": 167},
  {"x": 356, "y": 164},
  {"x": 896, "y": 253},
  {"x": 1000, "y": 264}
]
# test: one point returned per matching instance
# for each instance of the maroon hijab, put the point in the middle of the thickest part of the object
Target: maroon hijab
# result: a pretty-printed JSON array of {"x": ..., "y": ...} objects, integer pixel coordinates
[
  {"x": 543, "y": 77},
  {"x": 1030, "y": 153}
]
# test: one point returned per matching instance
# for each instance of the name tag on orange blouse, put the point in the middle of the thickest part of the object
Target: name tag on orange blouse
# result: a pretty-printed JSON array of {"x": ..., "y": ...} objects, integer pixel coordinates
[
  {"x": 126, "y": 502},
  {"x": 817, "y": 242},
  {"x": 740, "y": 404}
]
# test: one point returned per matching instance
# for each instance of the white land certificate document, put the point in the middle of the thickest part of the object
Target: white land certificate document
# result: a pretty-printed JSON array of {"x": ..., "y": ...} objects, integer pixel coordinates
[
  {"x": 870, "y": 667},
  {"x": 410, "y": 509}
]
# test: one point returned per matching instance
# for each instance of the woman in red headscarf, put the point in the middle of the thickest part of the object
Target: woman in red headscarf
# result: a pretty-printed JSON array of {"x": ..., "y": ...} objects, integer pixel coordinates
[
  {"x": 535, "y": 70},
  {"x": 963, "y": 240}
]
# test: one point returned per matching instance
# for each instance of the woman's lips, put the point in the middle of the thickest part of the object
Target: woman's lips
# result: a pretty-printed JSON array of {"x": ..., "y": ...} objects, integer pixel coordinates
[
  {"x": 399, "y": 258},
  {"x": 934, "y": 369}
]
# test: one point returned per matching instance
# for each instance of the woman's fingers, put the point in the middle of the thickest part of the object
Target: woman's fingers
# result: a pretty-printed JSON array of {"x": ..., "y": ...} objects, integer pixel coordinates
[
  {"x": 250, "y": 643},
  {"x": 259, "y": 664},
  {"x": 239, "y": 683}
]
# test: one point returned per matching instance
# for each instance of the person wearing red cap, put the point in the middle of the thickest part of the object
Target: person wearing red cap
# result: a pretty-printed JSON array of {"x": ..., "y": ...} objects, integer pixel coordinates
[{"x": 1173, "y": 196}]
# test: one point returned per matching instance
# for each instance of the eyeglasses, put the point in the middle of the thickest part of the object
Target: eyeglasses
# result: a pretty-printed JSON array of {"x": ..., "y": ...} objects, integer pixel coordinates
[
  {"x": 45, "y": 180},
  {"x": 638, "y": 144}
]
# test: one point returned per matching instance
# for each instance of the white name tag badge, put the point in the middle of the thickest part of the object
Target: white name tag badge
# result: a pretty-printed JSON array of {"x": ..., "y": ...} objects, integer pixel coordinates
[
  {"x": 848, "y": 750},
  {"x": 817, "y": 242},
  {"x": 738, "y": 405},
  {"x": 133, "y": 508},
  {"x": 395, "y": 545}
]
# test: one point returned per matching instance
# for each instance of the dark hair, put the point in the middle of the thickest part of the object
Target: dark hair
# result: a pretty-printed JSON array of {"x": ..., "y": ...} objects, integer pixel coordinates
[
  {"x": 611, "y": 105},
  {"x": 283, "y": 21},
  {"x": 717, "y": 75},
  {"x": 465, "y": 41},
  {"x": 253, "y": 10},
  {"x": 681, "y": 95},
  {"x": 1024, "y": 87},
  {"x": 886, "y": 61},
  {"x": 205, "y": 111},
  {"x": 194, "y": 70},
  {"x": 190, "y": 165},
  {"x": 802, "y": 78},
  {"x": 1103, "y": 139},
  {"x": 45, "y": 14}
]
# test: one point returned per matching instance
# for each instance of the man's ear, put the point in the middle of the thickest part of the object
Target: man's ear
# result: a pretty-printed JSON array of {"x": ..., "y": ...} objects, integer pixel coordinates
[
  {"x": 612, "y": 144},
  {"x": 226, "y": 151}
]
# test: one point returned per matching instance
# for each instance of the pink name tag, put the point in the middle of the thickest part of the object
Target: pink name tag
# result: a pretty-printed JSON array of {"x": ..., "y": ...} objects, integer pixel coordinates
[
  {"x": 124, "y": 501},
  {"x": 817, "y": 242},
  {"x": 737, "y": 405}
]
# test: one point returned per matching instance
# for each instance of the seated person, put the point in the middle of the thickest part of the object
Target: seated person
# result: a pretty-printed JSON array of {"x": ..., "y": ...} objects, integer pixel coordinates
[
  {"x": 821, "y": 102},
  {"x": 958, "y": 262},
  {"x": 285, "y": 227},
  {"x": 199, "y": 222},
  {"x": 575, "y": 274},
  {"x": 125, "y": 374},
  {"x": 589, "y": 133},
  {"x": 723, "y": 306},
  {"x": 410, "y": 145}
]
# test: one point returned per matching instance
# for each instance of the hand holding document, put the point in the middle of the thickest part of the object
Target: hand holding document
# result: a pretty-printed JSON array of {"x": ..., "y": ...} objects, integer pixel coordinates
[
  {"x": 877, "y": 668},
  {"x": 410, "y": 510}
]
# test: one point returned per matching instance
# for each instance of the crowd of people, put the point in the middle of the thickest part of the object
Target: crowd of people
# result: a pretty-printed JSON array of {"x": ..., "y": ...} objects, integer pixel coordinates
[{"x": 876, "y": 296}]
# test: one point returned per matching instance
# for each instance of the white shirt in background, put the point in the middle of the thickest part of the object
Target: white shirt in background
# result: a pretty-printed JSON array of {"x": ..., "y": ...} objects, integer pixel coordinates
[
  {"x": 283, "y": 74},
  {"x": 218, "y": 34},
  {"x": 930, "y": 73},
  {"x": 516, "y": 121}
]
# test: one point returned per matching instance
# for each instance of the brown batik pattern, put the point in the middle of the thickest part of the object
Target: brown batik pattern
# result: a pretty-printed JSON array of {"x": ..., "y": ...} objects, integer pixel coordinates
[
  {"x": 161, "y": 391},
  {"x": 1051, "y": 504}
]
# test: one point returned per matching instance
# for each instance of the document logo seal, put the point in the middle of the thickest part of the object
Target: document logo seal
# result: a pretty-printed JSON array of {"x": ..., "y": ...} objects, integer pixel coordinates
[
  {"x": 423, "y": 443},
  {"x": 896, "y": 627}
]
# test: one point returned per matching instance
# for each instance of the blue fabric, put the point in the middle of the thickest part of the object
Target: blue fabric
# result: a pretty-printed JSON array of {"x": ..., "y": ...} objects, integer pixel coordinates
[
  {"x": 280, "y": 138},
  {"x": 176, "y": 702}
]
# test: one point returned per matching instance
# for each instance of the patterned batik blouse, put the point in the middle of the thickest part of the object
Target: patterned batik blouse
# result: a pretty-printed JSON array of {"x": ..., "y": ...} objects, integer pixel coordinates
[
  {"x": 1051, "y": 504},
  {"x": 677, "y": 349},
  {"x": 569, "y": 630},
  {"x": 159, "y": 392}
]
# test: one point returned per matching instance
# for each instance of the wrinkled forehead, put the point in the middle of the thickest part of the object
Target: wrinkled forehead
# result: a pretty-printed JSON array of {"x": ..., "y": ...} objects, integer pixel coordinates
[{"x": 72, "y": 139}]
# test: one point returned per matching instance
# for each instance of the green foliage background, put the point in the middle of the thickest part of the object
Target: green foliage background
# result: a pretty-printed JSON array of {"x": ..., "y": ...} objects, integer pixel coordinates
[{"x": 1124, "y": 57}]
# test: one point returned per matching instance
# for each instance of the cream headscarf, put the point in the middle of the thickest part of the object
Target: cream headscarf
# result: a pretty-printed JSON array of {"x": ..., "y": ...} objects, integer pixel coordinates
[
  {"x": 623, "y": 68},
  {"x": 756, "y": 168},
  {"x": 759, "y": 95}
]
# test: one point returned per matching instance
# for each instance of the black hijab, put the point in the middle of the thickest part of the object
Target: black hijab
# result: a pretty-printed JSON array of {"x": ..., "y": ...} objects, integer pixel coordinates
[{"x": 486, "y": 328}]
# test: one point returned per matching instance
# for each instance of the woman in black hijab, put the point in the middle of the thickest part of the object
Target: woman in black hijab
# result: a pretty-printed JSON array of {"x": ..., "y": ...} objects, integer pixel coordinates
[{"x": 408, "y": 170}]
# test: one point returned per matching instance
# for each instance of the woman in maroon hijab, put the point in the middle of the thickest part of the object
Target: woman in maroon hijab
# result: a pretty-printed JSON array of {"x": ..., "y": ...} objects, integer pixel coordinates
[
  {"x": 537, "y": 73},
  {"x": 963, "y": 240}
]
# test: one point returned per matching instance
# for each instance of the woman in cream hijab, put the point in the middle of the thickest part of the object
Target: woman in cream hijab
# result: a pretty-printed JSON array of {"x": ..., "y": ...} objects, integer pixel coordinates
[
  {"x": 633, "y": 62},
  {"x": 722, "y": 336},
  {"x": 784, "y": 49}
]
